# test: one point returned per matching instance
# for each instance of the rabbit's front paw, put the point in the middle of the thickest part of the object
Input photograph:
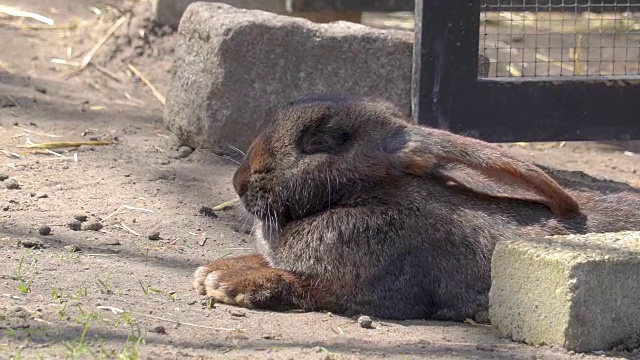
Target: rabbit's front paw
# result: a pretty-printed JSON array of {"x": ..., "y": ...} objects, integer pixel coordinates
[
  {"x": 260, "y": 288},
  {"x": 240, "y": 262}
]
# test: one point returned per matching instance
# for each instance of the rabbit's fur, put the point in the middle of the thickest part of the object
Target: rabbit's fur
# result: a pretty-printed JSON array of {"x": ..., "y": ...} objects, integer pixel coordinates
[{"x": 359, "y": 211}]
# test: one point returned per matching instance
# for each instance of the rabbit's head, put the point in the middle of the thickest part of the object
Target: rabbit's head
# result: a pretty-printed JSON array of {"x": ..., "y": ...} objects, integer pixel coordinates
[{"x": 321, "y": 150}]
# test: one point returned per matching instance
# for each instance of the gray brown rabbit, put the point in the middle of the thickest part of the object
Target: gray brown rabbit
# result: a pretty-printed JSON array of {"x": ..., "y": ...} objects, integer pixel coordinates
[{"x": 357, "y": 210}]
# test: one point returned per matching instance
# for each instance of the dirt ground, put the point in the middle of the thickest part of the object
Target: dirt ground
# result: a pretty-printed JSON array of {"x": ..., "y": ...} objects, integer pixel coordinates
[{"x": 114, "y": 293}]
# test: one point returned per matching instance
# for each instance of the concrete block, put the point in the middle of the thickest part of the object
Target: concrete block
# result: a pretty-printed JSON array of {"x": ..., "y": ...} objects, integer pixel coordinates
[
  {"x": 232, "y": 65},
  {"x": 169, "y": 12},
  {"x": 581, "y": 292}
]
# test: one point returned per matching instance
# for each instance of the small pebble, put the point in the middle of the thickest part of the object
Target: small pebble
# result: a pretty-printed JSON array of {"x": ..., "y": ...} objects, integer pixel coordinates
[
  {"x": 80, "y": 218},
  {"x": 11, "y": 184},
  {"x": 208, "y": 212},
  {"x": 112, "y": 242},
  {"x": 485, "y": 347},
  {"x": 184, "y": 151},
  {"x": 191, "y": 301},
  {"x": 72, "y": 248},
  {"x": 41, "y": 89},
  {"x": 365, "y": 322},
  {"x": 6, "y": 208},
  {"x": 154, "y": 236},
  {"x": 237, "y": 313},
  {"x": 31, "y": 243},
  {"x": 92, "y": 226},
  {"x": 159, "y": 330},
  {"x": 42, "y": 196},
  {"x": 44, "y": 230},
  {"x": 208, "y": 301},
  {"x": 75, "y": 225},
  {"x": 3, "y": 177}
]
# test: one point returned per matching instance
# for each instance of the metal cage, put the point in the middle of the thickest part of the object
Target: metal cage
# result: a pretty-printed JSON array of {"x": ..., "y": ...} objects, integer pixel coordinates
[{"x": 557, "y": 69}]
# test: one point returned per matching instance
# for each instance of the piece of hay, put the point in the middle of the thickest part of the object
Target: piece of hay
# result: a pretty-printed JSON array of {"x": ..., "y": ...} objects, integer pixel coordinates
[
  {"x": 153, "y": 89},
  {"x": 225, "y": 205},
  {"x": 25, "y": 14},
  {"x": 89, "y": 55},
  {"x": 64, "y": 144}
]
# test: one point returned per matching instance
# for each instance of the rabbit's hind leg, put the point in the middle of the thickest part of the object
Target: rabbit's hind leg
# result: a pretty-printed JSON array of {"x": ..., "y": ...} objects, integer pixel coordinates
[
  {"x": 240, "y": 262},
  {"x": 260, "y": 288}
]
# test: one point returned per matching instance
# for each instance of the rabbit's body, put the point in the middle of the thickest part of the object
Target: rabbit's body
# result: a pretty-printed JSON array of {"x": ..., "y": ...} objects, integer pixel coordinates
[
  {"x": 414, "y": 274},
  {"x": 389, "y": 230}
]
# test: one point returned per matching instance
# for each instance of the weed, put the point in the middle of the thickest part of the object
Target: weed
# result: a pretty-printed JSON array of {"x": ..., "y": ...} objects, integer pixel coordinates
[
  {"x": 61, "y": 297},
  {"x": 130, "y": 348},
  {"x": 79, "y": 294},
  {"x": 23, "y": 286},
  {"x": 328, "y": 354},
  {"x": 103, "y": 354},
  {"x": 126, "y": 316},
  {"x": 77, "y": 348},
  {"x": 104, "y": 286},
  {"x": 134, "y": 339},
  {"x": 29, "y": 332},
  {"x": 61, "y": 309},
  {"x": 210, "y": 302},
  {"x": 85, "y": 317},
  {"x": 147, "y": 289}
]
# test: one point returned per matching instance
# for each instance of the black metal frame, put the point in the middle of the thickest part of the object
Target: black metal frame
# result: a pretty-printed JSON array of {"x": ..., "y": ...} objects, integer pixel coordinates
[
  {"x": 447, "y": 93},
  {"x": 408, "y": 5}
]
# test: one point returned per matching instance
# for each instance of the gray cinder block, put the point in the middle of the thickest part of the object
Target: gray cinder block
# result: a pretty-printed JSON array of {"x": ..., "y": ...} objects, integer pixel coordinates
[
  {"x": 233, "y": 65},
  {"x": 581, "y": 292},
  {"x": 169, "y": 12}
]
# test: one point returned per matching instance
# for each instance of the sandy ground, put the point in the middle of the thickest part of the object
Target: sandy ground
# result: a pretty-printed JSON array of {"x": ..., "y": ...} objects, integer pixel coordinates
[{"x": 114, "y": 293}]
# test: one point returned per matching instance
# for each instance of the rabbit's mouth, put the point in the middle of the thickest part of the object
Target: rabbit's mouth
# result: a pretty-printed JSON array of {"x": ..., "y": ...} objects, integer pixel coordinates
[{"x": 263, "y": 207}]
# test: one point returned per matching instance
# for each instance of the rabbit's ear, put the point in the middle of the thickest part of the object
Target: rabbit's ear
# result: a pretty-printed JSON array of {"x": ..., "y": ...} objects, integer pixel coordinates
[{"x": 432, "y": 152}]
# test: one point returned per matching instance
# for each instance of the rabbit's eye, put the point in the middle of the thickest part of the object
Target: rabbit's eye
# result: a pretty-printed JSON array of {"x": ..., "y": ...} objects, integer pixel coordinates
[{"x": 322, "y": 140}]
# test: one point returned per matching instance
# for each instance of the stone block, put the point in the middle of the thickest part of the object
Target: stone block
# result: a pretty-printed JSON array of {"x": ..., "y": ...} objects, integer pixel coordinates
[
  {"x": 580, "y": 291},
  {"x": 232, "y": 65},
  {"x": 169, "y": 12}
]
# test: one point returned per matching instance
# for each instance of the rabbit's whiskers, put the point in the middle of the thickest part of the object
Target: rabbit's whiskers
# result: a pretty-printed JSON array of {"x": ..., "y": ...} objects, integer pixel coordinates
[
  {"x": 228, "y": 158},
  {"x": 236, "y": 149}
]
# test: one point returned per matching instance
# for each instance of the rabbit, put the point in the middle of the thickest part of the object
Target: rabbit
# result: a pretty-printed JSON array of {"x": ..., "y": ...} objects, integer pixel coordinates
[{"x": 359, "y": 211}]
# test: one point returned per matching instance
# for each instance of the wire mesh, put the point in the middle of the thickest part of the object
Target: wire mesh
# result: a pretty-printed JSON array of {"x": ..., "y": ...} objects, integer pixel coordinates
[{"x": 538, "y": 38}]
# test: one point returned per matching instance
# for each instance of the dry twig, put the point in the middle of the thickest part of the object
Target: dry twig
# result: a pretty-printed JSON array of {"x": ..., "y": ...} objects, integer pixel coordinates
[
  {"x": 187, "y": 324},
  {"x": 225, "y": 205},
  {"x": 125, "y": 227},
  {"x": 64, "y": 144},
  {"x": 146, "y": 81},
  {"x": 25, "y": 14},
  {"x": 87, "y": 58},
  {"x": 121, "y": 209}
]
